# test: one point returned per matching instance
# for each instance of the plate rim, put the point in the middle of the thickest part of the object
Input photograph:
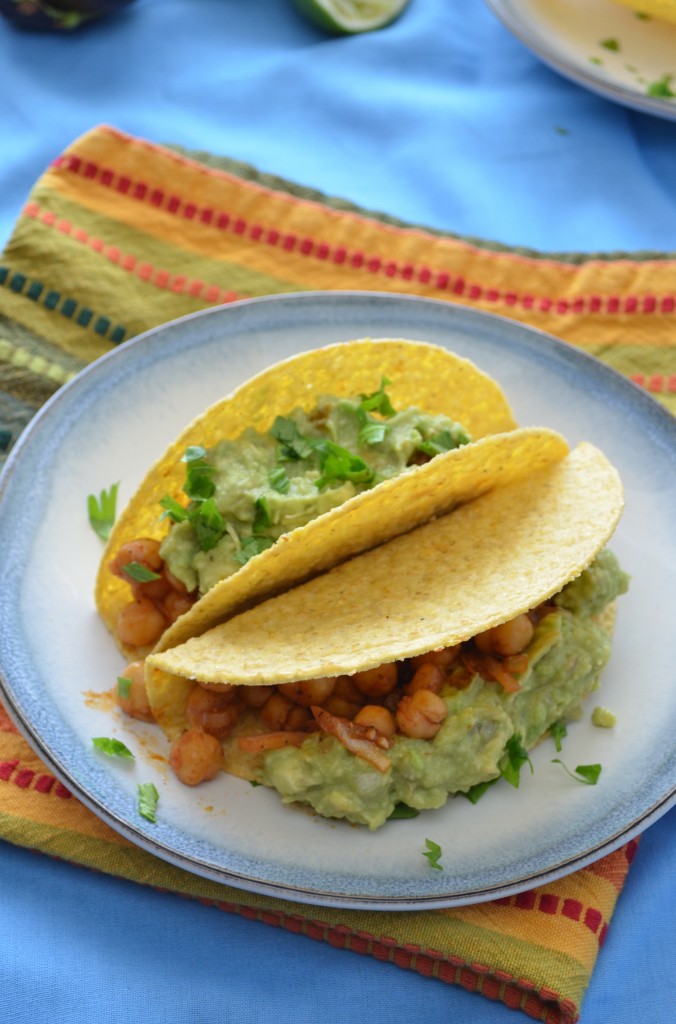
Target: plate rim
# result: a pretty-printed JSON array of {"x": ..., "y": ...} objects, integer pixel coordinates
[
  {"x": 647, "y": 406},
  {"x": 519, "y": 25}
]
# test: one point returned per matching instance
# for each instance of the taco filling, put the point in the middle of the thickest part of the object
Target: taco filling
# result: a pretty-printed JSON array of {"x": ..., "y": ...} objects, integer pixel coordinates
[
  {"x": 424, "y": 667},
  {"x": 240, "y": 496},
  {"x": 411, "y": 732}
]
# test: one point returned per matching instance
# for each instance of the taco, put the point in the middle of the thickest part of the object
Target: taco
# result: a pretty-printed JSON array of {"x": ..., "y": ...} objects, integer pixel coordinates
[
  {"x": 422, "y": 668},
  {"x": 278, "y": 482}
]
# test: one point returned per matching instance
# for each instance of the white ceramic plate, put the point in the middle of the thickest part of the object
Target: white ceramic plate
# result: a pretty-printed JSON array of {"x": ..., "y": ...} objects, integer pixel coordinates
[
  {"x": 110, "y": 424},
  {"x": 600, "y": 45}
]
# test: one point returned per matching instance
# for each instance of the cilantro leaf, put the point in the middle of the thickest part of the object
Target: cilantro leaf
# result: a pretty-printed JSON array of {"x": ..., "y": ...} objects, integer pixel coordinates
[
  {"x": 101, "y": 511},
  {"x": 662, "y": 88},
  {"x": 372, "y": 432},
  {"x": 402, "y": 811},
  {"x": 586, "y": 773},
  {"x": 140, "y": 573},
  {"x": 292, "y": 443},
  {"x": 252, "y": 546},
  {"x": 173, "y": 509},
  {"x": 278, "y": 480},
  {"x": 445, "y": 441},
  {"x": 199, "y": 484},
  {"x": 558, "y": 730},
  {"x": 123, "y": 686},
  {"x": 474, "y": 793},
  {"x": 113, "y": 748},
  {"x": 337, "y": 463},
  {"x": 514, "y": 758},
  {"x": 262, "y": 515},
  {"x": 208, "y": 524},
  {"x": 148, "y": 798},
  {"x": 433, "y": 853},
  {"x": 379, "y": 401}
]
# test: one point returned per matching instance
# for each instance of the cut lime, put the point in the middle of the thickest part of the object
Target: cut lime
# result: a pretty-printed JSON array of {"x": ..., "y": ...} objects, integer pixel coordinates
[{"x": 349, "y": 16}]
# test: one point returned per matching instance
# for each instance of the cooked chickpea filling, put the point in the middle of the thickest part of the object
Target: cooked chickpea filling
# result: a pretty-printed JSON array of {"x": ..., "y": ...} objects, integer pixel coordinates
[
  {"x": 156, "y": 602},
  {"x": 365, "y": 711}
]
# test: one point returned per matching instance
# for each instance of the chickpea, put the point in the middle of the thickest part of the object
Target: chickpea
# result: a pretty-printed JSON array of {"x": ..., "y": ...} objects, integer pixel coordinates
[
  {"x": 377, "y": 682},
  {"x": 308, "y": 691},
  {"x": 143, "y": 550},
  {"x": 195, "y": 757},
  {"x": 443, "y": 658},
  {"x": 508, "y": 638},
  {"x": 275, "y": 711},
  {"x": 213, "y": 712},
  {"x": 175, "y": 604},
  {"x": 378, "y": 718},
  {"x": 140, "y": 623},
  {"x": 135, "y": 703},
  {"x": 254, "y": 696},
  {"x": 420, "y": 715},
  {"x": 427, "y": 677}
]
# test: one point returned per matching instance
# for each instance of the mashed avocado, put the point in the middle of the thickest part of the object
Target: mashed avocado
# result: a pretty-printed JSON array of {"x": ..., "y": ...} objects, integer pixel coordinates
[
  {"x": 246, "y": 493},
  {"x": 566, "y": 655}
]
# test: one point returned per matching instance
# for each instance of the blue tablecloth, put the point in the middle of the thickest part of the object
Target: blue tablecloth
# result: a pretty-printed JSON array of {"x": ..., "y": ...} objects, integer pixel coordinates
[{"x": 443, "y": 119}]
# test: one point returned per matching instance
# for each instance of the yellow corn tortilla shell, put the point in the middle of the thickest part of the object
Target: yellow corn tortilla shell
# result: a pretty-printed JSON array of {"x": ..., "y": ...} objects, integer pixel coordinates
[
  {"x": 421, "y": 374},
  {"x": 438, "y": 585}
]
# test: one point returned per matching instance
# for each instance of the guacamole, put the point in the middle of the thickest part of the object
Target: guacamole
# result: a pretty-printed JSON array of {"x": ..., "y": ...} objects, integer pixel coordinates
[
  {"x": 565, "y": 658},
  {"x": 245, "y": 493}
]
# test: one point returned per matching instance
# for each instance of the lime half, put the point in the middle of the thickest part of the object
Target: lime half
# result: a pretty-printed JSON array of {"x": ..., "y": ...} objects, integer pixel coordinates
[{"x": 349, "y": 16}]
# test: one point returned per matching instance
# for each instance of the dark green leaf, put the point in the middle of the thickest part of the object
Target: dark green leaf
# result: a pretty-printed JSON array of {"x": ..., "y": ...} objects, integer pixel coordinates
[
  {"x": 514, "y": 758},
  {"x": 101, "y": 511},
  {"x": 433, "y": 853},
  {"x": 262, "y": 517},
  {"x": 558, "y": 731},
  {"x": 123, "y": 686},
  {"x": 662, "y": 88},
  {"x": 402, "y": 811},
  {"x": 379, "y": 401},
  {"x": 586, "y": 773},
  {"x": 252, "y": 546},
  {"x": 278, "y": 479},
  {"x": 208, "y": 524},
  {"x": 173, "y": 509},
  {"x": 444, "y": 441},
  {"x": 148, "y": 798},
  {"x": 474, "y": 793},
  {"x": 113, "y": 748},
  {"x": 337, "y": 463},
  {"x": 139, "y": 573},
  {"x": 293, "y": 445}
]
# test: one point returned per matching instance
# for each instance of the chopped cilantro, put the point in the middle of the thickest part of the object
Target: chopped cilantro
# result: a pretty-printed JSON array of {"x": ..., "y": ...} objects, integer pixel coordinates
[
  {"x": 293, "y": 446},
  {"x": 433, "y": 853},
  {"x": 474, "y": 793},
  {"x": 199, "y": 484},
  {"x": 113, "y": 748},
  {"x": 148, "y": 798},
  {"x": 337, "y": 463},
  {"x": 208, "y": 524},
  {"x": 610, "y": 44},
  {"x": 123, "y": 686},
  {"x": 101, "y": 511},
  {"x": 173, "y": 509},
  {"x": 278, "y": 480},
  {"x": 262, "y": 516},
  {"x": 252, "y": 546},
  {"x": 402, "y": 811},
  {"x": 444, "y": 441},
  {"x": 513, "y": 760},
  {"x": 140, "y": 573},
  {"x": 379, "y": 401},
  {"x": 662, "y": 88},
  {"x": 641, "y": 15},
  {"x": 586, "y": 773},
  {"x": 595, "y": 60},
  {"x": 372, "y": 432},
  {"x": 558, "y": 730}
]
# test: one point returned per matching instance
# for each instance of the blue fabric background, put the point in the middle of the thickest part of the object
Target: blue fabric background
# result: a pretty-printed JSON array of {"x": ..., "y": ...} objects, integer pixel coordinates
[{"x": 443, "y": 119}]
